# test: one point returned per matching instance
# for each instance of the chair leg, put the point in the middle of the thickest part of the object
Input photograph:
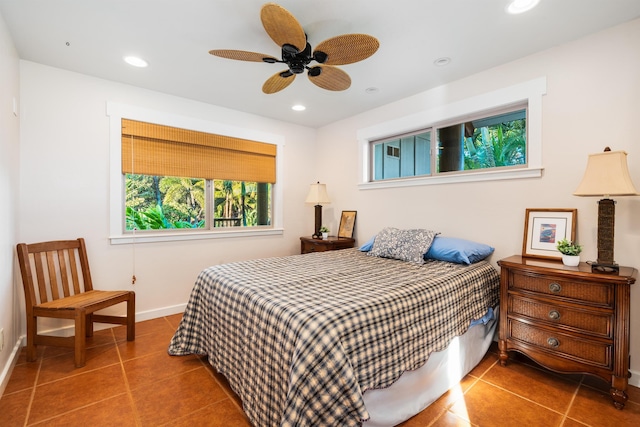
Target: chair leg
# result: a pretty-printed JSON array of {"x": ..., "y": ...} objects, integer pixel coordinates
[
  {"x": 89, "y": 324},
  {"x": 32, "y": 330},
  {"x": 80, "y": 337},
  {"x": 131, "y": 317}
]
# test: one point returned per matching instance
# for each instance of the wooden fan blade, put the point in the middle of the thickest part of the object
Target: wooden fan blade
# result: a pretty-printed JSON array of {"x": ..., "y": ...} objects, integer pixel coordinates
[
  {"x": 276, "y": 82},
  {"x": 348, "y": 48},
  {"x": 330, "y": 78},
  {"x": 241, "y": 55},
  {"x": 282, "y": 26}
]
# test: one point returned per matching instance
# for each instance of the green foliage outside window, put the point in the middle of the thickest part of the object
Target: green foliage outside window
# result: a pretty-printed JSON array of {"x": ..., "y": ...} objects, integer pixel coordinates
[{"x": 154, "y": 203}]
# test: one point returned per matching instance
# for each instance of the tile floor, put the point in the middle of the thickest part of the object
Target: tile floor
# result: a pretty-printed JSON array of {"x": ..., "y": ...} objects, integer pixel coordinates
[{"x": 138, "y": 384}]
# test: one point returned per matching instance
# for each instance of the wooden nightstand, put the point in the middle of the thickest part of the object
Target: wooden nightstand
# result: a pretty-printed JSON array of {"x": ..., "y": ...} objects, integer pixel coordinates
[
  {"x": 309, "y": 244},
  {"x": 567, "y": 319}
]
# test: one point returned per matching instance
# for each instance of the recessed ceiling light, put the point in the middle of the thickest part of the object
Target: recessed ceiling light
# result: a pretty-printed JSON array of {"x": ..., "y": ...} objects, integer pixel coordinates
[
  {"x": 298, "y": 107},
  {"x": 372, "y": 89},
  {"x": 135, "y": 61},
  {"x": 521, "y": 6},
  {"x": 441, "y": 62}
]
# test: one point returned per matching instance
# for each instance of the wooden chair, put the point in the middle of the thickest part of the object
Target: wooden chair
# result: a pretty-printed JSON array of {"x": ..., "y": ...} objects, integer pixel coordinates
[{"x": 57, "y": 283}]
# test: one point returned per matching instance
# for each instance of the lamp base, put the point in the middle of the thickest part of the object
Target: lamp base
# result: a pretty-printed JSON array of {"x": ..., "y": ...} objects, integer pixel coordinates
[{"x": 604, "y": 268}]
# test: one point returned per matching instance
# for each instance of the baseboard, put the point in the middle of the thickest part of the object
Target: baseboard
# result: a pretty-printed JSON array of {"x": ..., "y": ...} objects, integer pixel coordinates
[
  {"x": 635, "y": 379},
  {"x": 8, "y": 368},
  {"x": 67, "y": 331}
]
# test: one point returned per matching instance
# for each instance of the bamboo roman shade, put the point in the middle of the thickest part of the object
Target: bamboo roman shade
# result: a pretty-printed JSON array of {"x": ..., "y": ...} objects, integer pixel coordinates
[{"x": 151, "y": 149}]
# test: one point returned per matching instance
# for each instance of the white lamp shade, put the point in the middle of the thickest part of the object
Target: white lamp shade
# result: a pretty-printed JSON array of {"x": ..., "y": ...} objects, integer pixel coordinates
[
  {"x": 318, "y": 194},
  {"x": 607, "y": 174}
]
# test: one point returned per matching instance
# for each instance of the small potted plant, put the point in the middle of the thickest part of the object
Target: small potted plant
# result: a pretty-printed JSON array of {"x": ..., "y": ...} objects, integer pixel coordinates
[
  {"x": 325, "y": 232},
  {"x": 570, "y": 252}
]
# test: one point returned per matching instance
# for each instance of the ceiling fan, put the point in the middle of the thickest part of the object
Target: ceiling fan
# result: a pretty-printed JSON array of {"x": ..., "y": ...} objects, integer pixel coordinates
[{"x": 286, "y": 31}]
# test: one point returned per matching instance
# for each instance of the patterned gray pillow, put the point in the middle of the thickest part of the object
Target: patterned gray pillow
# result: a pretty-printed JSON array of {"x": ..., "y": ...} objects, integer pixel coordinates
[{"x": 405, "y": 245}]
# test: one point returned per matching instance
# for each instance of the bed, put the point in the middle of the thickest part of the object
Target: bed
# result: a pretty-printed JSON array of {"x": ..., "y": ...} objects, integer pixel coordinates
[{"x": 316, "y": 339}]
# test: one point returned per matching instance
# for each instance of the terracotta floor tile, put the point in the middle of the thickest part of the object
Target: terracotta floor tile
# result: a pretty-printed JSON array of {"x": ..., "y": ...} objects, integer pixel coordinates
[
  {"x": 174, "y": 320},
  {"x": 449, "y": 419},
  {"x": 14, "y": 407},
  {"x": 596, "y": 409},
  {"x": 568, "y": 422},
  {"x": 146, "y": 370},
  {"x": 116, "y": 411},
  {"x": 487, "y": 405},
  {"x": 146, "y": 327},
  {"x": 543, "y": 387},
  {"x": 74, "y": 392},
  {"x": 144, "y": 345},
  {"x": 23, "y": 376},
  {"x": 489, "y": 360},
  {"x": 220, "y": 414},
  {"x": 175, "y": 397},
  {"x": 55, "y": 368}
]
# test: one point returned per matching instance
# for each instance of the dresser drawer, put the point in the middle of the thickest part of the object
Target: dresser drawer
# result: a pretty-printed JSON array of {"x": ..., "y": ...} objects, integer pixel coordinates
[
  {"x": 588, "y": 322},
  {"x": 597, "y": 294},
  {"x": 562, "y": 345}
]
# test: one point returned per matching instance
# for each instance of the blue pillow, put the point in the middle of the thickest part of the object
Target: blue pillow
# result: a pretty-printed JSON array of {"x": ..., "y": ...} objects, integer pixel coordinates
[
  {"x": 368, "y": 245},
  {"x": 457, "y": 250}
]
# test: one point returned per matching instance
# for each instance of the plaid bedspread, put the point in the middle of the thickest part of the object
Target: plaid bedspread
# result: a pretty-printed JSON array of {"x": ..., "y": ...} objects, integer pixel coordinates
[{"x": 301, "y": 338}]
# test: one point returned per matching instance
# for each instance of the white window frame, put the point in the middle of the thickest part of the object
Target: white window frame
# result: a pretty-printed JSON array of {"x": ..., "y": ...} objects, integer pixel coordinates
[
  {"x": 117, "y": 234},
  {"x": 530, "y": 92}
]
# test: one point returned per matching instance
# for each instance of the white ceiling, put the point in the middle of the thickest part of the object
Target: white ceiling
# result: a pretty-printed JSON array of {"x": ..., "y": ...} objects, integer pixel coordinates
[{"x": 91, "y": 37}]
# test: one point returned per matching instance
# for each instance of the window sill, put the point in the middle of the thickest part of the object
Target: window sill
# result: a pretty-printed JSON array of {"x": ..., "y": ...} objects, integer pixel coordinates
[
  {"x": 174, "y": 236},
  {"x": 450, "y": 179}
]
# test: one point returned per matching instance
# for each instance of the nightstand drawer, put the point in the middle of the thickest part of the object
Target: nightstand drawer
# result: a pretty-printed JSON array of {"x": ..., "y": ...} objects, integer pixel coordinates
[
  {"x": 315, "y": 247},
  {"x": 563, "y": 345},
  {"x": 589, "y": 322},
  {"x": 597, "y": 294}
]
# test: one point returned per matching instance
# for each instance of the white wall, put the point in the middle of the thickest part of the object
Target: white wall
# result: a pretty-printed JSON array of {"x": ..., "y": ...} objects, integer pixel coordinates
[
  {"x": 9, "y": 151},
  {"x": 65, "y": 184},
  {"x": 592, "y": 101}
]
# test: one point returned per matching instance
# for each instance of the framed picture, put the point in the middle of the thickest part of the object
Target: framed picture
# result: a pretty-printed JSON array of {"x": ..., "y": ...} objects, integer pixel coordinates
[
  {"x": 347, "y": 224},
  {"x": 543, "y": 228}
]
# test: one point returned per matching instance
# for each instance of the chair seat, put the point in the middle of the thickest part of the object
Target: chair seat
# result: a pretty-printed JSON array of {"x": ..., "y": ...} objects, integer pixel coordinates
[{"x": 85, "y": 300}]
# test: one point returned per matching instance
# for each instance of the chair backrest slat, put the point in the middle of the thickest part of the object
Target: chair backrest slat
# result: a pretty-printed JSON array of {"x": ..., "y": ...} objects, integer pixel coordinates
[
  {"x": 64, "y": 276},
  {"x": 40, "y": 281},
  {"x": 74, "y": 272},
  {"x": 53, "y": 277}
]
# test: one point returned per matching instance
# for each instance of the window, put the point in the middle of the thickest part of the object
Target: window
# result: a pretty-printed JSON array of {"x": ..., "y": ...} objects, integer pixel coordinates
[
  {"x": 464, "y": 163},
  {"x": 165, "y": 164},
  {"x": 171, "y": 179},
  {"x": 484, "y": 141}
]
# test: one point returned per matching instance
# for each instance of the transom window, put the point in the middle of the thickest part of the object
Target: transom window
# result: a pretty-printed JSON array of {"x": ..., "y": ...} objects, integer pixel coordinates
[{"x": 485, "y": 141}]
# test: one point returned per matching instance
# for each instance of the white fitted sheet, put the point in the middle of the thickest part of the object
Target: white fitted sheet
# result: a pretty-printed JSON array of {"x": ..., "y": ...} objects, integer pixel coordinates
[{"x": 415, "y": 390}]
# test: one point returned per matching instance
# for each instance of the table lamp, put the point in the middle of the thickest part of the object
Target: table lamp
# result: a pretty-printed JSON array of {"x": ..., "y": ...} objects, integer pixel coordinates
[
  {"x": 318, "y": 195},
  {"x": 606, "y": 175}
]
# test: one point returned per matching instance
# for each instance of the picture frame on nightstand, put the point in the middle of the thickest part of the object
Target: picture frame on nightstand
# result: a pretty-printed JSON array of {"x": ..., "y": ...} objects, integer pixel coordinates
[
  {"x": 347, "y": 224},
  {"x": 544, "y": 228}
]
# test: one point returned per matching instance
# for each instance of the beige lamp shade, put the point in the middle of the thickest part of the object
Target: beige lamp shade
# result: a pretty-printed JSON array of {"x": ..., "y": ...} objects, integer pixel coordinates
[
  {"x": 318, "y": 194},
  {"x": 607, "y": 174}
]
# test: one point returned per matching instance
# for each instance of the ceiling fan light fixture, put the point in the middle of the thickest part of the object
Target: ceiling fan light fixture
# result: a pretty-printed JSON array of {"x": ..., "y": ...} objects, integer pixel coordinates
[
  {"x": 136, "y": 61},
  {"x": 520, "y": 6},
  {"x": 298, "y": 107}
]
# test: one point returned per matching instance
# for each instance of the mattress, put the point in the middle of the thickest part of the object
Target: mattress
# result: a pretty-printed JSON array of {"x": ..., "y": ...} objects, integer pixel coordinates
[{"x": 302, "y": 338}]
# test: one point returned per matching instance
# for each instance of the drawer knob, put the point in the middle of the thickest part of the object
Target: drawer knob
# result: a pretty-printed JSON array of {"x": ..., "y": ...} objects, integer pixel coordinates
[
  {"x": 553, "y": 314},
  {"x": 553, "y": 342},
  {"x": 555, "y": 287}
]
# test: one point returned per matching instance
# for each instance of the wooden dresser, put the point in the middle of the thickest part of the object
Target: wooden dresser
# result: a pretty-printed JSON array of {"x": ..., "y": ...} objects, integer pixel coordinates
[
  {"x": 567, "y": 319},
  {"x": 309, "y": 244}
]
